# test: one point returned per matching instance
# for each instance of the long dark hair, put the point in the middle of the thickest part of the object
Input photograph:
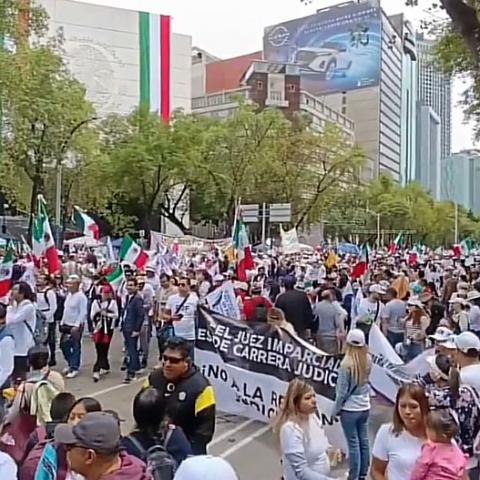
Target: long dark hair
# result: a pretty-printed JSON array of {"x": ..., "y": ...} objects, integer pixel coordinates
[
  {"x": 149, "y": 413},
  {"x": 446, "y": 366},
  {"x": 26, "y": 290}
]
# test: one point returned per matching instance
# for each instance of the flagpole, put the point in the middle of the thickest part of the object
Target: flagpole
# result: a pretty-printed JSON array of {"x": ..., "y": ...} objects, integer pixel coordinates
[
  {"x": 235, "y": 220},
  {"x": 456, "y": 224}
]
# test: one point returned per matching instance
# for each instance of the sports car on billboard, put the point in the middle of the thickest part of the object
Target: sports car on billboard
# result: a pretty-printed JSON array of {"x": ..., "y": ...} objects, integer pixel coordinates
[{"x": 326, "y": 60}]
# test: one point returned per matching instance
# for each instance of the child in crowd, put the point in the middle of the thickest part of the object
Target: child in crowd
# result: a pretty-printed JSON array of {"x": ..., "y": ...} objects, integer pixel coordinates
[{"x": 441, "y": 458}]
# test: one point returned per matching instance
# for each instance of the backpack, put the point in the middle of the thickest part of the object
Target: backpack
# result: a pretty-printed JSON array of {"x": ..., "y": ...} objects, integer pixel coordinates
[
  {"x": 160, "y": 464},
  {"x": 40, "y": 333},
  {"x": 42, "y": 396}
]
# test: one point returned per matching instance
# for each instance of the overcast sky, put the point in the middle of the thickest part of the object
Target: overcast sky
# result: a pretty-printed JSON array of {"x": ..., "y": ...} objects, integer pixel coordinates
[{"x": 232, "y": 27}]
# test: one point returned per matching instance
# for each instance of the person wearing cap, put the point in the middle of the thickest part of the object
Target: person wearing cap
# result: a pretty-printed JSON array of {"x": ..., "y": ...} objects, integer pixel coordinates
[
  {"x": 458, "y": 314},
  {"x": 202, "y": 467},
  {"x": 443, "y": 341},
  {"x": 468, "y": 351},
  {"x": 296, "y": 307},
  {"x": 72, "y": 325},
  {"x": 189, "y": 397},
  {"x": 104, "y": 315},
  {"x": 352, "y": 402},
  {"x": 416, "y": 324},
  {"x": 93, "y": 449},
  {"x": 256, "y": 307},
  {"x": 370, "y": 310},
  {"x": 47, "y": 303},
  {"x": 473, "y": 300}
]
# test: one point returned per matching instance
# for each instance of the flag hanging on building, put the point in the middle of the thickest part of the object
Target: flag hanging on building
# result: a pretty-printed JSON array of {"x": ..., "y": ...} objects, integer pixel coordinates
[
  {"x": 155, "y": 62},
  {"x": 133, "y": 253},
  {"x": 361, "y": 267},
  {"x": 6, "y": 268},
  {"x": 85, "y": 223},
  {"x": 42, "y": 242},
  {"x": 243, "y": 251}
]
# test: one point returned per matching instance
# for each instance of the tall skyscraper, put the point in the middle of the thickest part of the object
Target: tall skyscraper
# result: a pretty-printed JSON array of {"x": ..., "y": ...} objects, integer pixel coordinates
[{"x": 435, "y": 91}]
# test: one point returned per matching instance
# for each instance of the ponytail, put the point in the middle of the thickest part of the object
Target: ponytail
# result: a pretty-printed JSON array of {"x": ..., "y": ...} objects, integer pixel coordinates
[{"x": 454, "y": 384}]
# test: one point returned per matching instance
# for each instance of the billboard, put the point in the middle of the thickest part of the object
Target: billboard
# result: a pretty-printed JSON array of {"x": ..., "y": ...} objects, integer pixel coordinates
[{"x": 337, "y": 49}]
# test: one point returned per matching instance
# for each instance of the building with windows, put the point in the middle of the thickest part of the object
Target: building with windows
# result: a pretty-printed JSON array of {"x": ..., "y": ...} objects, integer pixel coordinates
[
  {"x": 461, "y": 179},
  {"x": 435, "y": 91},
  {"x": 428, "y": 147}
]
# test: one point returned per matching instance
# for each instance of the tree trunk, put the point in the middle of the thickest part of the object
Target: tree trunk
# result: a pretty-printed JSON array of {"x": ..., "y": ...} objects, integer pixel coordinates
[{"x": 172, "y": 218}]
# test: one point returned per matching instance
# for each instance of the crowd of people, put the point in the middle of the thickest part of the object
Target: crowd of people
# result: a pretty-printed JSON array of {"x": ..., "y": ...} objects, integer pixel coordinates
[{"x": 47, "y": 433}]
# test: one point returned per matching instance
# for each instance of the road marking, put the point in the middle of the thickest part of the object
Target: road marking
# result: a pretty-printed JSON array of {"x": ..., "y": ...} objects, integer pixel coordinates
[
  {"x": 245, "y": 441},
  {"x": 225, "y": 435},
  {"x": 115, "y": 387}
]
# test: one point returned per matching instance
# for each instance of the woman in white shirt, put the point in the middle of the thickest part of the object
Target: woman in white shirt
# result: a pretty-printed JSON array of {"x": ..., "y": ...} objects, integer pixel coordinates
[
  {"x": 302, "y": 437},
  {"x": 21, "y": 318},
  {"x": 398, "y": 445}
]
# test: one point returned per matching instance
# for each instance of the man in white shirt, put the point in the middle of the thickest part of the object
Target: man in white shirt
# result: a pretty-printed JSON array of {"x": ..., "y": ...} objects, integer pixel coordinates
[
  {"x": 72, "y": 324},
  {"x": 370, "y": 310},
  {"x": 181, "y": 310},
  {"x": 7, "y": 354},
  {"x": 468, "y": 351},
  {"x": 21, "y": 319},
  {"x": 47, "y": 304}
]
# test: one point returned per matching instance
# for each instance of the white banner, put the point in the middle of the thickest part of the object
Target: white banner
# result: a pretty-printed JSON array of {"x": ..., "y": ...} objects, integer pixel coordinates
[
  {"x": 250, "y": 364},
  {"x": 290, "y": 243},
  {"x": 223, "y": 301}
]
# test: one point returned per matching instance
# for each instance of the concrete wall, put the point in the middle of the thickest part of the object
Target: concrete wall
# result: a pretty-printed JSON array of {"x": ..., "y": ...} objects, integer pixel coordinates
[{"x": 102, "y": 51}]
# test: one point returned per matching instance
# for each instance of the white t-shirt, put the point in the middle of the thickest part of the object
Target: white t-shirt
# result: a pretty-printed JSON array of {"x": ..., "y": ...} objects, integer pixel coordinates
[
  {"x": 401, "y": 452},
  {"x": 185, "y": 327},
  {"x": 18, "y": 316},
  {"x": 8, "y": 468},
  {"x": 367, "y": 312},
  {"x": 470, "y": 375}
]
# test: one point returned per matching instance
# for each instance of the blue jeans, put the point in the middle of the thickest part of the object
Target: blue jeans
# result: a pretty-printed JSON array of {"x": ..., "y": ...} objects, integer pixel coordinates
[
  {"x": 71, "y": 346},
  {"x": 355, "y": 427},
  {"x": 394, "y": 337},
  {"x": 131, "y": 347}
]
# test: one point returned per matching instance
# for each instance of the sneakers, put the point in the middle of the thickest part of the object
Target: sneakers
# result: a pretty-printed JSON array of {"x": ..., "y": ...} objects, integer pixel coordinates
[
  {"x": 96, "y": 377},
  {"x": 72, "y": 374},
  {"x": 66, "y": 370},
  {"x": 128, "y": 380},
  {"x": 104, "y": 372}
]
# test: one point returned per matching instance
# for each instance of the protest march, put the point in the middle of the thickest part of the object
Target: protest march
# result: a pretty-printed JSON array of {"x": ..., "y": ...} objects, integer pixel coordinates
[{"x": 292, "y": 336}]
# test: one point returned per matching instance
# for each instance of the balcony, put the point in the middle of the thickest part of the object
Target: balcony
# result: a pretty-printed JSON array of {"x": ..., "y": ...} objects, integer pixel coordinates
[
  {"x": 276, "y": 99},
  {"x": 220, "y": 99}
]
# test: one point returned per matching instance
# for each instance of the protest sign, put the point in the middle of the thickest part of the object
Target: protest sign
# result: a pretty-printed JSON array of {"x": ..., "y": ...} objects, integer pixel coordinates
[
  {"x": 250, "y": 364},
  {"x": 223, "y": 301}
]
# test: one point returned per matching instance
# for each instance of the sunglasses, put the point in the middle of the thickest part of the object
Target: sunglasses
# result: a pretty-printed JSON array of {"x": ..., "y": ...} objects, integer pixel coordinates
[
  {"x": 172, "y": 360},
  {"x": 182, "y": 284}
]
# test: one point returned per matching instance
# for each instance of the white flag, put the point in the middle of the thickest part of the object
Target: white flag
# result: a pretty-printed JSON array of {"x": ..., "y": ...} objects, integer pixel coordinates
[{"x": 223, "y": 301}]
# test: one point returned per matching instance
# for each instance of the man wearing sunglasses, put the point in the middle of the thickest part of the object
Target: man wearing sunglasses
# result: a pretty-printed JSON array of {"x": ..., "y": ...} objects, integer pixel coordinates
[
  {"x": 181, "y": 310},
  {"x": 189, "y": 397}
]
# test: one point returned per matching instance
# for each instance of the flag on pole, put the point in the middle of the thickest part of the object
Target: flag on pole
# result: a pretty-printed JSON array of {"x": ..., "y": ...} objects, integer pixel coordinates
[
  {"x": 111, "y": 257},
  {"x": 6, "y": 268},
  {"x": 43, "y": 243},
  {"x": 243, "y": 251},
  {"x": 466, "y": 246},
  {"x": 361, "y": 267},
  {"x": 133, "y": 253},
  {"x": 85, "y": 223},
  {"x": 331, "y": 260},
  {"x": 396, "y": 244},
  {"x": 116, "y": 278}
]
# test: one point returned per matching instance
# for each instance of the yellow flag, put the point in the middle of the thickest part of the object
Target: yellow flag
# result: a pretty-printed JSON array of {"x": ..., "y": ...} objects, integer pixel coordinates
[{"x": 332, "y": 259}]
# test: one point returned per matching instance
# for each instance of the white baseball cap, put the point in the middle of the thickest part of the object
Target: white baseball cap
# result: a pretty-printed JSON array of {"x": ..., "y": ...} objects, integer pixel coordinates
[
  {"x": 205, "y": 466},
  {"x": 377, "y": 289},
  {"x": 442, "y": 334},
  {"x": 467, "y": 341},
  {"x": 356, "y": 338}
]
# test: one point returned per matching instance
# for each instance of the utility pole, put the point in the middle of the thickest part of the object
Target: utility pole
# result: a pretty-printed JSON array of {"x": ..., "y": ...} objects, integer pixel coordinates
[{"x": 264, "y": 223}]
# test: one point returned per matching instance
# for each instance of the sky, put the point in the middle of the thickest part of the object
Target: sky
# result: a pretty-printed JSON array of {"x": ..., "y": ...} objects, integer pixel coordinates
[{"x": 227, "y": 28}]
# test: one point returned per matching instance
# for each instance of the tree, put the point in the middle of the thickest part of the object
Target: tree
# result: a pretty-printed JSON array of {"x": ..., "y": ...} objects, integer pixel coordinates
[{"x": 46, "y": 114}]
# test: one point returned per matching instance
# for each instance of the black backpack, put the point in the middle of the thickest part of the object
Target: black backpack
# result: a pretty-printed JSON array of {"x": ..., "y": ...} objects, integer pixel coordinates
[{"x": 160, "y": 464}]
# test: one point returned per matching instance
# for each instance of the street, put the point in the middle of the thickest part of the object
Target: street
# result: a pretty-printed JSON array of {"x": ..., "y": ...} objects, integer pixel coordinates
[{"x": 248, "y": 445}]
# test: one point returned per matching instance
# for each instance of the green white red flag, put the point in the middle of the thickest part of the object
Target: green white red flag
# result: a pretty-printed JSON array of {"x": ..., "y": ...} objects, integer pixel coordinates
[
  {"x": 361, "y": 267},
  {"x": 42, "y": 242},
  {"x": 116, "y": 278},
  {"x": 6, "y": 268},
  {"x": 243, "y": 251},
  {"x": 133, "y": 253},
  {"x": 85, "y": 223},
  {"x": 396, "y": 244}
]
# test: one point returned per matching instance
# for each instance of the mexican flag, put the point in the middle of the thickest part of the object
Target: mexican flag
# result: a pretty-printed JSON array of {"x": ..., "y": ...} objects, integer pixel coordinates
[
  {"x": 132, "y": 253},
  {"x": 116, "y": 278},
  {"x": 85, "y": 223},
  {"x": 42, "y": 242},
  {"x": 397, "y": 243},
  {"x": 243, "y": 251},
  {"x": 361, "y": 268},
  {"x": 6, "y": 268}
]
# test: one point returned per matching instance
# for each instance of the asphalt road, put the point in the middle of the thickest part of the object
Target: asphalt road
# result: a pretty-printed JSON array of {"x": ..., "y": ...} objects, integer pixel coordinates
[{"x": 248, "y": 445}]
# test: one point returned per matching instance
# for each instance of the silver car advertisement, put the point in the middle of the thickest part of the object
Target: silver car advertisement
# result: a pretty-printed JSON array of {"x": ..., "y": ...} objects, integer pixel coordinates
[{"x": 337, "y": 49}]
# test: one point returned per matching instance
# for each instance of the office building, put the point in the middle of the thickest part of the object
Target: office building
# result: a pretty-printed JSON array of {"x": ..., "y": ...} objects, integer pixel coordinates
[
  {"x": 351, "y": 56},
  {"x": 435, "y": 91},
  {"x": 124, "y": 57},
  {"x": 461, "y": 179},
  {"x": 428, "y": 147}
]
